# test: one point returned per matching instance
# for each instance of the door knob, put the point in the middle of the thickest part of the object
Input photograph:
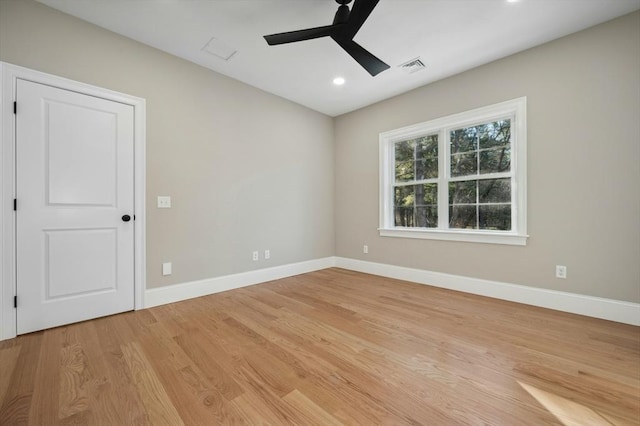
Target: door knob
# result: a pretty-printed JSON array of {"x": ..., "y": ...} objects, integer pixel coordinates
[{"x": 126, "y": 218}]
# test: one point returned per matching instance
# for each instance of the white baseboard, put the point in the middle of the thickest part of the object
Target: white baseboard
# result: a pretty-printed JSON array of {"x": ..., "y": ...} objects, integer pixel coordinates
[
  {"x": 597, "y": 307},
  {"x": 189, "y": 290}
]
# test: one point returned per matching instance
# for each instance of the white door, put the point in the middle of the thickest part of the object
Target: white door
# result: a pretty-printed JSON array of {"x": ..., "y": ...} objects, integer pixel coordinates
[{"x": 74, "y": 187}]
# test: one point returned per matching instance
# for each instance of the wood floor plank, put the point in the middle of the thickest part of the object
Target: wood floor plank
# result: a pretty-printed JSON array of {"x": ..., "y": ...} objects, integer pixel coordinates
[
  {"x": 328, "y": 347},
  {"x": 196, "y": 399},
  {"x": 8, "y": 359},
  {"x": 45, "y": 401},
  {"x": 255, "y": 410},
  {"x": 103, "y": 394},
  {"x": 112, "y": 332},
  {"x": 309, "y": 409},
  {"x": 17, "y": 399},
  {"x": 200, "y": 351},
  {"x": 159, "y": 407}
]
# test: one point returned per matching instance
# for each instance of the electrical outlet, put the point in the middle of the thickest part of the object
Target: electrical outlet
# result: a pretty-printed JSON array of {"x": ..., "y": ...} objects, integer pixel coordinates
[
  {"x": 256, "y": 255},
  {"x": 166, "y": 268},
  {"x": 164, "y": 202},
  {"x": 561, "y": 271},
  {"x": 365, "y": 249},
  {"x": 267, "y": 254}
]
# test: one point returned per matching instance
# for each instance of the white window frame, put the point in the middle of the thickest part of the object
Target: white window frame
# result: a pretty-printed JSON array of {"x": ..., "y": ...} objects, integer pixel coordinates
[{"x": 516, "y": 111}]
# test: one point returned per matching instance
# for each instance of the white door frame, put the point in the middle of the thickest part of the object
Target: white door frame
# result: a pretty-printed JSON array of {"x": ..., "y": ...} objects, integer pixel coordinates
[{"x": 9, "y": 74}]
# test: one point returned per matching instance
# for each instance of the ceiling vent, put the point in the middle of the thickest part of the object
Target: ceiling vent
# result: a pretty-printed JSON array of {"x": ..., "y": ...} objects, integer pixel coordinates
[
  {"x": 412, "y": 66},
  {"x": 220, "y": 49}
]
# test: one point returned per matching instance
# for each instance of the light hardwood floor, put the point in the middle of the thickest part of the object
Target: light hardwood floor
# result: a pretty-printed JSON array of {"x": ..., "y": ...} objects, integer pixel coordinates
[{"x": 329, "y": 347}]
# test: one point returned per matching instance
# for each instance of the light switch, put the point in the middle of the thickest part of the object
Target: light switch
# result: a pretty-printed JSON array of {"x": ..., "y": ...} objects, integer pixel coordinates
[{"x": 164, "y": 202}]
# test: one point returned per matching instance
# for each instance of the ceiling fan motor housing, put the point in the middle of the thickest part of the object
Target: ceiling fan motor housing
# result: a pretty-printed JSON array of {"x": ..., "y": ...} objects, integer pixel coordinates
[{"x": 342, "y": 15}]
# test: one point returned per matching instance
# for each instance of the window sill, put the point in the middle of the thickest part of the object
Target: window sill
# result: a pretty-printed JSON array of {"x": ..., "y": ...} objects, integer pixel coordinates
[{"x": 466, "y": 236}]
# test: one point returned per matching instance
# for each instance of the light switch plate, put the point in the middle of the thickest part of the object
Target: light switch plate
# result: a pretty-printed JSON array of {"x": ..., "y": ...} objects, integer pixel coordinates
[{"x": 164, "y": 202}]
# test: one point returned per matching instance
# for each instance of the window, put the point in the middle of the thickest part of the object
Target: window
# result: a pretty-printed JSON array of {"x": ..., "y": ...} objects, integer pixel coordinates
[{"x": 460, "y": 177}]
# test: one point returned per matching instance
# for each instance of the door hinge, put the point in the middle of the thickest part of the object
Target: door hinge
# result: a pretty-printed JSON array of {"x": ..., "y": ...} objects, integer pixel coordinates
[
  {"x": 15, "y": 107},
  {"x": 15, "y": 204},
  {"x": 15, "y": 301}
]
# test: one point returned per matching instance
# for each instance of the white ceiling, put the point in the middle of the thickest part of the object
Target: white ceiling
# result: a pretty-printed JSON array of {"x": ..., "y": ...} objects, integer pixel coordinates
[{"x": 450, "y": 36}]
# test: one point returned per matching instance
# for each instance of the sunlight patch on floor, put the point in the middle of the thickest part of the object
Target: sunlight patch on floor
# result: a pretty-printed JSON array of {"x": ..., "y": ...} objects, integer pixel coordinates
[{"x": 570, "y": 413}]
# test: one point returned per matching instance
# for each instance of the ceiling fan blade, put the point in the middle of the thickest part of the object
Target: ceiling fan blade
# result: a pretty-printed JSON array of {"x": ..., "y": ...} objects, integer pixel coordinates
[
  {"x": 373, "y": 65},
  {"x": 308, "y": 34},
  {"x": 360, "y": 11}
]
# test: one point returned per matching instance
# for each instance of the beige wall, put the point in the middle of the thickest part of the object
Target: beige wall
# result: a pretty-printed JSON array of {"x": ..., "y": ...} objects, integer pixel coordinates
[
  {"x": 583, "y": 164},
  {"x": 246, "y": 170}
]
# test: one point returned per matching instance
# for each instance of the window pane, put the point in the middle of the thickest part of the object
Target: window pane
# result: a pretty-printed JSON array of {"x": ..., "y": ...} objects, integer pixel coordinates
[
  {"x": 403, "y": 216},
  {"x": 404, "y": 171},
  {"x": 416, "y": 206},
  {"x": 464, "y": 140},
  {"x": 403, "y": 204},
  {"x": 495, "y": 160},
  {"x": 416, "y": 159},
  {"x": 497, "y": 133},
  {"x": 462, "y": 217},
  {"x": 427, "y": 157},
  {"x": 427, "y": 146},
  {"x": 492, "y": 141},
  {"x": 427, "y": 168},
  {"x": 495, "y": 217},
  {"x": 464, "y": 164},
  {"x": 462, "y": 192},
  {"x": 427, "y": 217},
  {"x": 404, "y": 150},
  {"x": 427, "y": 194},
  {"x": 494, "y": 191},
  {"x": 404, "y": 196},
  {"x": 404, "y": 161}
]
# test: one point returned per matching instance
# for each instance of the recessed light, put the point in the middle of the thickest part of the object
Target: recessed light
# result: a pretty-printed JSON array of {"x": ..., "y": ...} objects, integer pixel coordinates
[
  {"x": 338, "y": 81},
  {"x": 513, "y": 1}
]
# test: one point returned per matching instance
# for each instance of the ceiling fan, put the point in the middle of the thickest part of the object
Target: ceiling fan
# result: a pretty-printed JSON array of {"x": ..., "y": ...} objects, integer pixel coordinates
[{"x": 344, "y": 28}]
